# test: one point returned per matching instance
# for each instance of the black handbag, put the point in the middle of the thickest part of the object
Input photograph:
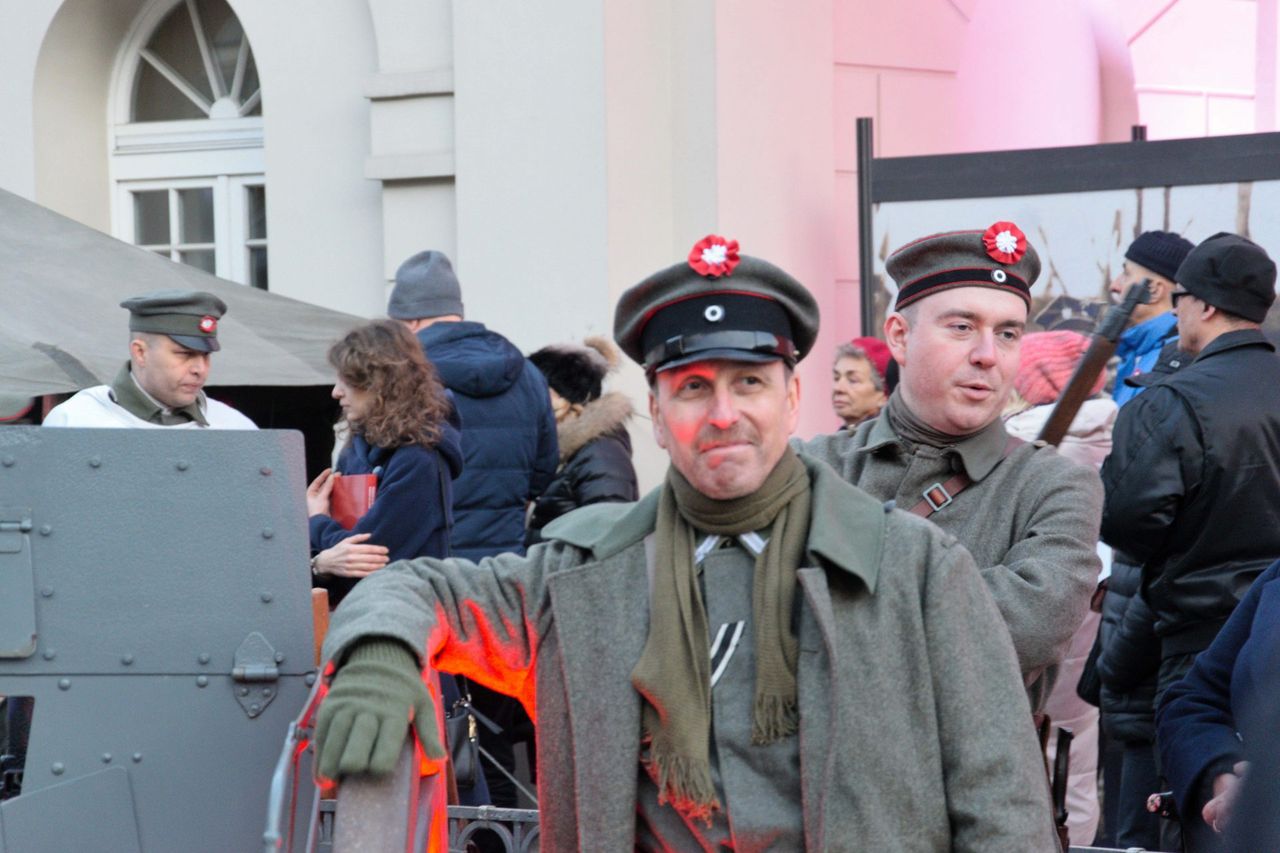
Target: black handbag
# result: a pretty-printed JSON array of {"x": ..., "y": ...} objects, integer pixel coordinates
[{"x": 463, "y": 740}]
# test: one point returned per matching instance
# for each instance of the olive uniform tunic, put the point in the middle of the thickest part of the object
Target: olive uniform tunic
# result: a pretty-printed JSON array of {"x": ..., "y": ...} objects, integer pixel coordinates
[{"x": 1030, "y": 519}]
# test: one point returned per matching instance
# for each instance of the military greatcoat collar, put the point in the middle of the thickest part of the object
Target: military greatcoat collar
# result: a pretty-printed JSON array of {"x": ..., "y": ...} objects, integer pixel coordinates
[
  {"x": 846, "y": 530},
  {"x": 979, "y": 453}
]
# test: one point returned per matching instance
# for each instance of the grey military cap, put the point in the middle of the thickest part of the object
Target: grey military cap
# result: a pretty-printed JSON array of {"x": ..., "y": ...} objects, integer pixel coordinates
[{"x": 190, "y": 317}]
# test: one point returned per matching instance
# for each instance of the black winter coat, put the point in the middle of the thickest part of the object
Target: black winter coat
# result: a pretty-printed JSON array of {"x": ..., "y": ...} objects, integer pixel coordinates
[
  {"x": 1129, "y": 658},
  {"x": 597, "y": 465},
  {"x": 1192, "y": 485},
  {"x": 508, "y": 434}
]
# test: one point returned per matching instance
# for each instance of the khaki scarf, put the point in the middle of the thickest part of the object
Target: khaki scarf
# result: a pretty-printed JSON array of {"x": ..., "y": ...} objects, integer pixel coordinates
[{"x": 674, "y": 672}]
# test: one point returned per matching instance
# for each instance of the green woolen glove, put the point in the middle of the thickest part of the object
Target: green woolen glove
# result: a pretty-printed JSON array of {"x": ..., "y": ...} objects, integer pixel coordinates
[{"x": 363, "y": 720}]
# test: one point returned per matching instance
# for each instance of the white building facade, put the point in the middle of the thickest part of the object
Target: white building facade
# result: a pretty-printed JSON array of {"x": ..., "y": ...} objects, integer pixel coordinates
[{"x": 559, "y": 150}]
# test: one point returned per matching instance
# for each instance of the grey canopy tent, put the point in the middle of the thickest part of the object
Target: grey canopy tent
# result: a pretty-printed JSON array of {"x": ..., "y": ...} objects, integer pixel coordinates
[{"x": 61, "y": 327}]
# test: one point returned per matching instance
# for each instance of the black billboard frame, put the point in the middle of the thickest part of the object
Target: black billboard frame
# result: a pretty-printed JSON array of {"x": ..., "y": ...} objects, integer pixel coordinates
[{"x": 1138, "y": 164}]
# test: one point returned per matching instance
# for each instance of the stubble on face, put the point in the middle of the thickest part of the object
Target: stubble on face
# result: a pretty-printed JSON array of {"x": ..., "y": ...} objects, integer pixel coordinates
[
  {"x": 172, "y": 374},
  {"x": 725, "y": 424},
  {"x": 1130, "y": 274}
]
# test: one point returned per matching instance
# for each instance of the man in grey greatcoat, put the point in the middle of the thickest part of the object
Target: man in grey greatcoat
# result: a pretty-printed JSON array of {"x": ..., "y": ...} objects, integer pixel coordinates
[
  {"x": 756, "y": 655},
  {"x": 939, "y": 448}
]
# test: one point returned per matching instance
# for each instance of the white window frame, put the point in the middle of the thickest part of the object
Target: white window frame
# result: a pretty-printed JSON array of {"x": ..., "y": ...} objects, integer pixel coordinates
[
  {"x": 239, "y": 241},
  {"x": 225, "y": 153}
]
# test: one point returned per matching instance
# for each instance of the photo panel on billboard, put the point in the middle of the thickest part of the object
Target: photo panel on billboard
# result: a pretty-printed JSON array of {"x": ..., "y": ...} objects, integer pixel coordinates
[{"x": 1080, "y": 207}]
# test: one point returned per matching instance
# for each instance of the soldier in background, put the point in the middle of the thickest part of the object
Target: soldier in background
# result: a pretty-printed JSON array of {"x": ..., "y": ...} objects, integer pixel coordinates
[
  {"x": 940, "y": 450},
  {"x": 172, "y": 335}
]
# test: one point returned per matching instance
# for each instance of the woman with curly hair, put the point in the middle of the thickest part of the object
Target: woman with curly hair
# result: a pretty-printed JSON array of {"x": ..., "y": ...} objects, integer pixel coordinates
[{"x": 398, "y": 418}]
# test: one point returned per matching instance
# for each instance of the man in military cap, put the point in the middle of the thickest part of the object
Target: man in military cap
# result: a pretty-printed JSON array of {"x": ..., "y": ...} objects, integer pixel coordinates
[
  {"x": 939, "y": 448},
  {"x": 755, "y": 655},
  {"x": 171, "y": 336}
]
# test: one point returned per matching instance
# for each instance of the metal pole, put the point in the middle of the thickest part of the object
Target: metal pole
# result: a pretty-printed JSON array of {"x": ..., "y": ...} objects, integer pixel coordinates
[{"x": 865, "y": 247}]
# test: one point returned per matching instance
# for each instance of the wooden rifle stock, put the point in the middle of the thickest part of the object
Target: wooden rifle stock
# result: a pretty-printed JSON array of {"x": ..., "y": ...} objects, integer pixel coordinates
[{"x": 1095, "y": 359}]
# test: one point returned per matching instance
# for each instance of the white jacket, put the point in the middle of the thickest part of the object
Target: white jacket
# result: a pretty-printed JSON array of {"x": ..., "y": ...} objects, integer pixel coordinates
[{"x": 93, "y": 407}]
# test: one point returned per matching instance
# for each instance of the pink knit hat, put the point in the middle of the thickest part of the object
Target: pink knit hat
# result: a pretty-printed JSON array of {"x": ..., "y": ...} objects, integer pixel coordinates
[{"x": 1048, "y": 360}]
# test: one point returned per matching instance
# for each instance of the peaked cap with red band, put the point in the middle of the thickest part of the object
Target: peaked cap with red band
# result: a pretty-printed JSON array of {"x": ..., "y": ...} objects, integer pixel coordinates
[
  {"x": 717, "y": 304},
  {"x": 190, "y": 317},
  {"x": 998, "y": 257}
]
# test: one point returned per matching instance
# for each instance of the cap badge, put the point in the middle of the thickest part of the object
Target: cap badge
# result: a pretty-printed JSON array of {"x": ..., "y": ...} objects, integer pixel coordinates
[
  {"x": 208, "y": 324},
  {"x": 714, "y": 313},
  {"x": 999, "y": 276},
  {"x": 1005, "y": 242},
  {"x": 714, "y": 256}
]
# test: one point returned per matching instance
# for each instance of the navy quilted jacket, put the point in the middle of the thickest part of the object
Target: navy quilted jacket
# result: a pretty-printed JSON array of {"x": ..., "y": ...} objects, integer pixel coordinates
[{"x": 508, "y": 434}]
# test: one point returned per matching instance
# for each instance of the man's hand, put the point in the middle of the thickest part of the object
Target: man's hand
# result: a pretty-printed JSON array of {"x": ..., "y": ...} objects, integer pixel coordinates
[
  {"x": 1217, "y": 812},
  {"x": 373, "y": 699},
  {"x": 318, "y": 493},
  {"x": 351, "y": 558}
]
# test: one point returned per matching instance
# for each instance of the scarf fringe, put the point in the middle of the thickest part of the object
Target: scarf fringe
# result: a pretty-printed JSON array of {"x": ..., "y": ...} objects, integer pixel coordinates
[
  {"x": 773, "y": 718},
  {"x": 685, "y": 783}
]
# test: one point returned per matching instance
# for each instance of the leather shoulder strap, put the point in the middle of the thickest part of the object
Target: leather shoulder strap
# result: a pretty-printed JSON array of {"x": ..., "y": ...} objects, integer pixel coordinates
[{"x": 939, "y": 495}]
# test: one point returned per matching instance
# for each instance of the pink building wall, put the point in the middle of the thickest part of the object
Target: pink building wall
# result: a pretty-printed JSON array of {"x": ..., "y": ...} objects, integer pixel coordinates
[{"x": 949, "y": 76}]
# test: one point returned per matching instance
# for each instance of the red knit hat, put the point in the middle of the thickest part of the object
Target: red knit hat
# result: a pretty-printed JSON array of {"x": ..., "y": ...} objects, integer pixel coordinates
[
  {"x": 877, "y": 351},
  {"x": 1048, "y": 360}
]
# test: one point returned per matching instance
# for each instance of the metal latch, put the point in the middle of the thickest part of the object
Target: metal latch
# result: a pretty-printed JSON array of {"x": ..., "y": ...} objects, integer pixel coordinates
[
  {"x": 14, "y": 521},
  {"x": 255, "y": 673}
]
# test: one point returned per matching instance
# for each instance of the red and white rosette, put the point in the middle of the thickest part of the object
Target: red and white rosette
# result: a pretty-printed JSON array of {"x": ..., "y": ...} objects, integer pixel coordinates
[
  {"x": 714, "y": 256},
  {"x": 208, "y": 324},
  {"x": 1005, "y": 242}
]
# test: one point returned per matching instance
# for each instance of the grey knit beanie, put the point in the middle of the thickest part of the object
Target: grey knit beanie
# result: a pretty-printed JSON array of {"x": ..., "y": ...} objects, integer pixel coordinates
[{"x": 425, "y": 287}]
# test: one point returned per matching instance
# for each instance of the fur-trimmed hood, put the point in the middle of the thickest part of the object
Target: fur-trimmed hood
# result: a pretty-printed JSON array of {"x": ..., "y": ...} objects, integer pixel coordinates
[{"x": 603, "y": 415}]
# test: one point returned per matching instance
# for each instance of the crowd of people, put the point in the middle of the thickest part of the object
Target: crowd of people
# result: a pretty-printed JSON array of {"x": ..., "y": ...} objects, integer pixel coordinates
[{"x": 846, "y": 642}]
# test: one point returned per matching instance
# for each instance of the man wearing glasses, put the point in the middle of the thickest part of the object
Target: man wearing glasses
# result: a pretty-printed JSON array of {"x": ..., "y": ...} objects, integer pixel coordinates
[{"x": 1193, "y": 475}]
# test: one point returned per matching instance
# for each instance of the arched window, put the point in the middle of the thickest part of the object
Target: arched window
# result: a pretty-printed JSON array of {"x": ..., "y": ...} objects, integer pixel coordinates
[{"x": 186, "y": 155}]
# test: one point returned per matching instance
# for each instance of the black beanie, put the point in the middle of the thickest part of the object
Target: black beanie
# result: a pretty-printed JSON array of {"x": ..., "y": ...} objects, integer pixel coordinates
[
  {"x": 577, "y": 372},
  {"x": 1232, "y": 273},
  {"x": 1162, "y": 252}
]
